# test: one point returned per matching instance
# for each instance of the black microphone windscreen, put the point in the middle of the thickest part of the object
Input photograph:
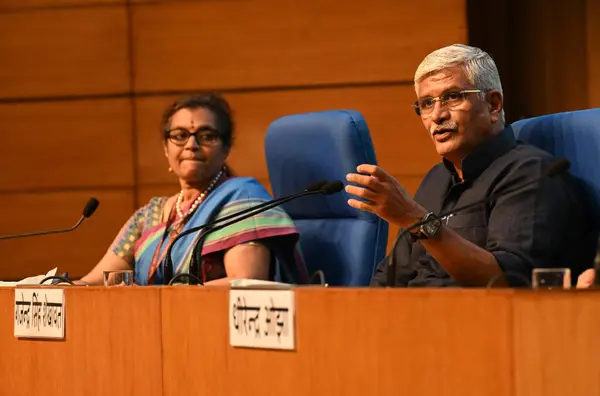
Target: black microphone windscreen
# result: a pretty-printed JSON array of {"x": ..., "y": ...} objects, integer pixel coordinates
[
  {"x": 90, "y": 207},
  {"x": 332, "y": 187},
  {"x": 316, "y": 186},
  {"x": 557, "y": 167}
]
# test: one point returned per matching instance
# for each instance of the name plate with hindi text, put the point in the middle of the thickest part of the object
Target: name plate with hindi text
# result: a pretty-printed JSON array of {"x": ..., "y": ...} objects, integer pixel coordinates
[
  {"x": 39, "y": 313},
  {"x": 262, "y": 319}
]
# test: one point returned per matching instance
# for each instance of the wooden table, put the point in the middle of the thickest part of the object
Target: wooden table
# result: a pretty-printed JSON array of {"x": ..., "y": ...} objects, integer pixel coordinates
[{"x": 174, "y": 341}]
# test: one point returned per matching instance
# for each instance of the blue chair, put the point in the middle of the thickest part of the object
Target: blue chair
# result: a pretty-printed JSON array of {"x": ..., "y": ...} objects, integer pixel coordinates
[
  {"x": 573, "y": 135},
  {"x": 345, "y": 243}
]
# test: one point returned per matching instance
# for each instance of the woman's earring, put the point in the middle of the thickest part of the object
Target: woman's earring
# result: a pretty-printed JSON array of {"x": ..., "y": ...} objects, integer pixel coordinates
[{"x": 170, "y": 169}]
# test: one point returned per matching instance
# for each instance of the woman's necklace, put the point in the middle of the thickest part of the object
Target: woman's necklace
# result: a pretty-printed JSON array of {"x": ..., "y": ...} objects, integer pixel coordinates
[{"x": 198, "y": 200}]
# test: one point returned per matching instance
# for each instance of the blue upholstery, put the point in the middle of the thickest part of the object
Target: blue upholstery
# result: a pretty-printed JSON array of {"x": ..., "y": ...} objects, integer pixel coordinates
[
  {"x": 345, "y": 243},
  {"x": 573, "y": 135}
]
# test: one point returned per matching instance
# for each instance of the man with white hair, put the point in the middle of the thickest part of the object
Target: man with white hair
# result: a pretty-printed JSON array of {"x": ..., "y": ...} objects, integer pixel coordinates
[{"x": 460, "y": 103}]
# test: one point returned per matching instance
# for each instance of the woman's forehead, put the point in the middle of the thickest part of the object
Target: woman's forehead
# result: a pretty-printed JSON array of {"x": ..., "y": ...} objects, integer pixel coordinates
[{"x": 193, "y": 118}]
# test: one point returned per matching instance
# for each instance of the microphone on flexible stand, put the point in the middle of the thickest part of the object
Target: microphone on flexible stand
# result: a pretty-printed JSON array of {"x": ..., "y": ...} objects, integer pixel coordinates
[
  {"x": 557, "y": 167},
  {"x": 314, "y": 188},
  {"x": 88, "y": 210},
  {"x": 328, "y": 188}
]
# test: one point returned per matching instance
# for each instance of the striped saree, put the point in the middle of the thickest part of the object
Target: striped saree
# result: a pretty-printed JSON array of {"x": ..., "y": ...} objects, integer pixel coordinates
[{"x": 144, "y": 239}]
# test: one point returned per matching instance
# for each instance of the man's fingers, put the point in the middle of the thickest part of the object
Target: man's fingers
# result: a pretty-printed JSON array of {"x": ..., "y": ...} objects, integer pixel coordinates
[
  {"x": 586, "y": 279},
  {"x": 361, "y": 192},
  {"x": 370, "y": 182},
  {"x": 374, "y": 171},
  {"x": 360, "y": 205}
]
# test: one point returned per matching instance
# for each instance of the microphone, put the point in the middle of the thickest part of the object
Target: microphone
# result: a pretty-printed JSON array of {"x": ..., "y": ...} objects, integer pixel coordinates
[
  {"x": 320, "y": 187},
  {"x": 327, "y": 189},
  {"x": 557, "y": 167},
  {"x": 88, "y": 210}
]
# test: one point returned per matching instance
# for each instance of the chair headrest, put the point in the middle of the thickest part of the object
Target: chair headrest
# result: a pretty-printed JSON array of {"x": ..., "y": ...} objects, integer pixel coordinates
[
  {"x": 574, "y": 135},
  {"x": 304, "y": 148}
]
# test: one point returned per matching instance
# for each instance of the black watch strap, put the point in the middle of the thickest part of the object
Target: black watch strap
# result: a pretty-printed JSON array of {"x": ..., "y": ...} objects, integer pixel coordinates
[
  {"x": 417, "y": 235},
  {"x": 432, "y": 219}
]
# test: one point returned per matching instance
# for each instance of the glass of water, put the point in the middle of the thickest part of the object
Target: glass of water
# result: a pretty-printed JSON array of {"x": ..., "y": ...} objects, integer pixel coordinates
[
  {"x": 551, "y": 278},
  {"x": 118, "y": 278}
]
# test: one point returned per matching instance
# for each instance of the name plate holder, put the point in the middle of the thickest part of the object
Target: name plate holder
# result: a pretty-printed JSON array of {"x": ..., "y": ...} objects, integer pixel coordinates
[
  {"x": 39, "y": 313},
  {"x": 262, "y": 316}
]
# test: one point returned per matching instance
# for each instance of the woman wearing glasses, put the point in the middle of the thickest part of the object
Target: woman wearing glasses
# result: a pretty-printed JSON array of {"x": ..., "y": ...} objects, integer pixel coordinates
[{"x": 197, "y": 135}]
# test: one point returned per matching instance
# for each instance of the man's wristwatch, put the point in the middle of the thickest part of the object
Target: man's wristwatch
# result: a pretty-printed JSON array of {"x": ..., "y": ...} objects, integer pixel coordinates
[{"x": 429, "y": 229}]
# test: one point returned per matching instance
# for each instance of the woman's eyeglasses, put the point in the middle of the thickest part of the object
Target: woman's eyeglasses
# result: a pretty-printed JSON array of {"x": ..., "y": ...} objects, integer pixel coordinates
[{"x": 204, "y": 136}]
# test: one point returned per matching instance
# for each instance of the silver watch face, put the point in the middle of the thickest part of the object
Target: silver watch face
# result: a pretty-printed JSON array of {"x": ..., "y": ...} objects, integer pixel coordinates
[{"x": 432, "y": 227}]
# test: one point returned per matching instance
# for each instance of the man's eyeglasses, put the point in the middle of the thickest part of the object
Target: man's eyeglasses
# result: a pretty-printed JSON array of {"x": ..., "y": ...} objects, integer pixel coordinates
[
  {"x": 204, "y": 136},
  {"x": 424, "y": 106}
]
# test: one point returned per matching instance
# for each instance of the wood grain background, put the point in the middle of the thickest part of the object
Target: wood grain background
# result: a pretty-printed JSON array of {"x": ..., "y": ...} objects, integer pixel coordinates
[{"x": 83, "y": 84}]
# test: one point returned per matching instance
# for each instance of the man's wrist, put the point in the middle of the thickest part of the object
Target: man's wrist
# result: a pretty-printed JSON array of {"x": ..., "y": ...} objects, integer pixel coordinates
[{"x": 414, "y": 216}]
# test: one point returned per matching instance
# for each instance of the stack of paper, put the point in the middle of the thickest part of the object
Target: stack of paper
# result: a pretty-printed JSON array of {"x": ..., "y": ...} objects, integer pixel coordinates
[
  {"x": 32, "y": 280},
  {"x": 258, "y": 284}
]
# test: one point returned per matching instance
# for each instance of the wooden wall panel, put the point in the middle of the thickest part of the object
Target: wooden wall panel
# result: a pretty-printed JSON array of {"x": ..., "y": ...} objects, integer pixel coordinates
[
  {"x": 64, "y": 52},
  {"x": 546, "y": 52},
  {"x": 233, "y": 44},
  {"x": 23, "y": 5},
  {"x": 75, "y": 252},
  {"x": 151, "y": 164},
  {"x": 565, "y": 55},
  {"x": 593, "y": 52},
  {"x": 53, "y": 145},
  {"x": 551, "y": 37},
  {"x": 402, "y": 145}
]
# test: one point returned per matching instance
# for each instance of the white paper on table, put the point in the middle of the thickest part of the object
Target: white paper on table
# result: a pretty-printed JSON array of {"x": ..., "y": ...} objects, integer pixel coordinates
[
  {"x": 258, "y": 284},
  {"x": 32, "y": 280}
]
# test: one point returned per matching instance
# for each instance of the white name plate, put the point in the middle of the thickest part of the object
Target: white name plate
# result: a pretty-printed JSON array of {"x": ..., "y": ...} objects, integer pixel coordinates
[
  {"x": 262, "y": 319},
  {"x": 39, "y": 313}
]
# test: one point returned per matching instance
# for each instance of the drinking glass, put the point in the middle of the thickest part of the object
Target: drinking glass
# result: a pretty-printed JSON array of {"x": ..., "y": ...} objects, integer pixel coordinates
[
  {"x": 551, "y": 278},
  {"x": 118, "y": 278}
]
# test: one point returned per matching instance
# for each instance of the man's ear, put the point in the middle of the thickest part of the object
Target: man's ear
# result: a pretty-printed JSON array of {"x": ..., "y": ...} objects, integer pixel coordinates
[{"x": 496, "y": 104}]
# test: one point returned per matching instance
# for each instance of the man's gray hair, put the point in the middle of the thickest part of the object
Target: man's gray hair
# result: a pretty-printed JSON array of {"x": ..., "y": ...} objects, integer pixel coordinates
[{"x": 479, "y": 67}]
